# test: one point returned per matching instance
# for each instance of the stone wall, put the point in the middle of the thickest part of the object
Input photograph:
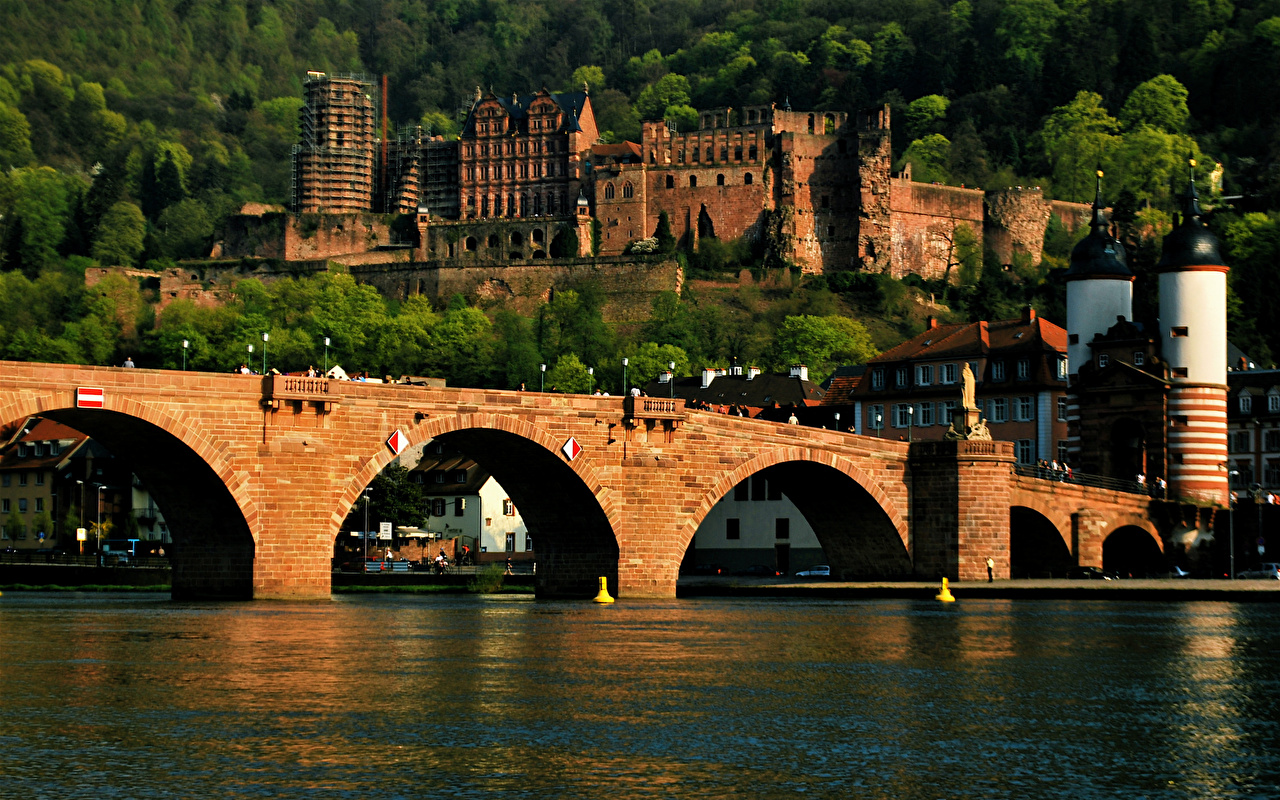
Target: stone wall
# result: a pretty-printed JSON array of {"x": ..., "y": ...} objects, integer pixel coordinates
[
  {"x": 1016, "y": 221},
  {"x": 924, "y": 220},
  {"x": 303, "y": 237},
  {"x": 875, "y": 162},
  {"x": 630, "y": 284},
  {"x": 816, "y": 176}
]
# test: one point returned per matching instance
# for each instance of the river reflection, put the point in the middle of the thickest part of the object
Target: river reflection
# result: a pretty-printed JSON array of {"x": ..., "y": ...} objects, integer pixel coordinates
[{"x": 390, "y": 697}]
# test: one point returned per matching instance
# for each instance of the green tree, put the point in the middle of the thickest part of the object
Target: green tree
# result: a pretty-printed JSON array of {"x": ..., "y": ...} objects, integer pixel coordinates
[
  {"x": 1159, "y": 103},
  {"x": 651, "y": 359},
  {"x": 669, "y": 90},
  {"x": 925, "y": 115},
  {"x": 666, "y": 239},
  {"x": 569, "y": 375},
  {"x": 684, "y": 117},
  {"x": 1078, "y": 138},
  {"x": 822, "y": 343},
  {"x": 120, "y": 236},
  {"x": 15, "y": 139},
  {"x": 185, "y": 229},
  {"x": 929, "y": 158},
  {"x": 13, "y": 526},
  {"x": 394, "y": 498}
]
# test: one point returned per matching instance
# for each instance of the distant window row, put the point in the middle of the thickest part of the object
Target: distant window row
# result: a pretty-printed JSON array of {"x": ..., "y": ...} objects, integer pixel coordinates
[
  {"x": 6, "y": 480},
  {"x": 995, "y": 409}
]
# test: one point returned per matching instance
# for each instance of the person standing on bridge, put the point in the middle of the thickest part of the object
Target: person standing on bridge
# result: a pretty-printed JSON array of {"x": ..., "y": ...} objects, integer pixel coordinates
[
  {"x": 128, "y": 362},
  {"x": 991, "y": 570}
]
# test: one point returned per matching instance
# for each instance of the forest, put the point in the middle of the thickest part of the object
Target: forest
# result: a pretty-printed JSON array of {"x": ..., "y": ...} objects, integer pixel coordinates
[{"x": 130, "y": 130}]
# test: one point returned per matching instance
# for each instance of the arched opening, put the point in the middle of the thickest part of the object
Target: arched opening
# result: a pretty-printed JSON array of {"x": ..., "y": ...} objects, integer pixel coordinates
[
  {"x": 517, "y": 239},
  {"x": 212, "y": 549},
  {"x": 747, "y": 179},
  {"x": 1036, "y": 548},
  {"x": 608, "y": 191},
  {"x": 706, "y": 228},
  {"x": 693, "y": 181},
  {"x": 515, "y": 255},
  {"x": 537, "y": 235},
  {"x": 564, "y": 244},
  {"x": 628, "y": 190},
  {"x": 539, "y": 253},
  {"x": 493, "y": 240},
  {"x": 1128, "y": 449},
  {"x": 575, "y": 542},
  {"x": 470, "y": 244},
  {"x": 671, "y": 181},
  {"x": 795, "y": 515},
  {"x": 1131, "y": 552},
  {"x": 720, "y": 180},
  {"x": 828, "y": 124}
]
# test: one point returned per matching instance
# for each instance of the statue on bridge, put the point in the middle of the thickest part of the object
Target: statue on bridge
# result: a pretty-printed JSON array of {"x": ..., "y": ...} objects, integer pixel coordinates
[{"x": 971, "y": 425}]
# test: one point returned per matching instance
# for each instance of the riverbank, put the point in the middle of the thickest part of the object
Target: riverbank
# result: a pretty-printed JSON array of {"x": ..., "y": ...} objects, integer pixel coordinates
[{"x": 1164, "y": 589}]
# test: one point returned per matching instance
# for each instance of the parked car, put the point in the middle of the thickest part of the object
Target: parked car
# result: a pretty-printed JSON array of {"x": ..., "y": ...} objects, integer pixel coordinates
[
  {"x": 816, "y": 571},
  {"x": 758, "y": 571},
  {"x": 1268, "y": 571},
  {"x": 705, "y": 569}
]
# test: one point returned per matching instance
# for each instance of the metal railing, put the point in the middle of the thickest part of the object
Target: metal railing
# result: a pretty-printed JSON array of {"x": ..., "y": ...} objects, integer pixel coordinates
[
  {"x": 66, "y": 559},
  {"x": 1086, "y": 479}
]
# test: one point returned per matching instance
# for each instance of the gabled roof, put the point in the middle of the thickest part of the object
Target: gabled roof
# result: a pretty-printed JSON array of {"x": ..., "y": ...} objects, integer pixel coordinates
[
  {"x": 841, "y": 385},
  {"x": 517, "y": 107},
  {"x": 1007, "y": 336},
  {"x": 762, "y": 391},
  {"x": 622, "y": 151},
  {"x": 448, "y": 463},
  {"x": 39, "y": 429}
]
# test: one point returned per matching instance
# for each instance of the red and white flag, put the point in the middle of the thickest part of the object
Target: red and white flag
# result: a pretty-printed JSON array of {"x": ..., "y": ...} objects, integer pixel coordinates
[{"x": 88, "y": 397}]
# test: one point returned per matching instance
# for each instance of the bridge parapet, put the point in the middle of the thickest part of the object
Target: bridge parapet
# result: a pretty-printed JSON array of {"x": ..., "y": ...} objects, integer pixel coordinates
[
  {"x": 277, "y": 388},
  {"x": 974, "y": 449},
  {"x": 667, "y": 409}
]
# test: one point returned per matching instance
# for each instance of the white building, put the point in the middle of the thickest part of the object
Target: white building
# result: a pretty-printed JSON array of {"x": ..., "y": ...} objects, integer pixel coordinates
[
  {"x": 755, "y": 524},
  {"x": 464, "y": 501}
]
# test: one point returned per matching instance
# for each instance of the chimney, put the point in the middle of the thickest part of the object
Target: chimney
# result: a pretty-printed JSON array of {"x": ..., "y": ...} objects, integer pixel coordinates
[
  {"x": 1028, "y": 314},
  {"x": 708, "y": 375},
  {"x": 800, "y": 371},
  {"x": 933, "y": 323},
  {"x": 752, "y": 372}
]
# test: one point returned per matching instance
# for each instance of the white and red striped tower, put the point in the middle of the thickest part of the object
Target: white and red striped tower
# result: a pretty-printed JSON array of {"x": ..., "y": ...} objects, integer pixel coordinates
[{"x": 1193, "y": 338}]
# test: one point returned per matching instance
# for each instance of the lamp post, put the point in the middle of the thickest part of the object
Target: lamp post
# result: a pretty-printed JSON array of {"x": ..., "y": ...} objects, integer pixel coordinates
[
  {"x": 365, "y": 535},
  {"x": 837, "y": 420},
  {"x": 326, "y": 355},
  {"x": 81, "y": 514},
  {"x": 591, "y": 379},
  {"x": 98, "y": 533},
  {"x": 879, "y": 423},
  {"x": 672, "y": 366},
  {"x": 1231, "y": 537},
  {"x": 911, "y": 416},
  {"x": 542, "y": 377},
  {"x": 185, "y": 344},
  {"x": 250, "y": 364},
  {"x": 264, "y": 353},
  {"x": 1256, "y": 490},
  {"x": 624, "y": 377}
]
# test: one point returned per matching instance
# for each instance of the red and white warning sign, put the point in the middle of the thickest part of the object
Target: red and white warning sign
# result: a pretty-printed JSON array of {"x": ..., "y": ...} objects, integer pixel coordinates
[
  {"x": 398, "y": 442},
  {"x": 88, "y": 397},
  {"x": 571, "y": 449}
]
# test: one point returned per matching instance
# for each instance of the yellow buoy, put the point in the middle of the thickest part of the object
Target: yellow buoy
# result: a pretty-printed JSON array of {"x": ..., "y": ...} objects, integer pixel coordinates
[
  {"x": 945, "y": 595},
  {"x": 604, "y": 597}
]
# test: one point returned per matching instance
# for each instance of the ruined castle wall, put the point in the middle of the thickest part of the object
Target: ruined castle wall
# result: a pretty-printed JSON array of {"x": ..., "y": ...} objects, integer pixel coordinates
[
  {"x": 303, "y": 237},
  {"x": 622, "y": 216},
  {"x": 874, "y": 220},
  {"x": 1073, "y": 215},
  {"x": 630, "y": 284},
  {"x": 1015, "y": 223},
  {"x": 816, "y": 177},
  {"x": 496, "y": 240},
  {"x": 924, "y": 220}
]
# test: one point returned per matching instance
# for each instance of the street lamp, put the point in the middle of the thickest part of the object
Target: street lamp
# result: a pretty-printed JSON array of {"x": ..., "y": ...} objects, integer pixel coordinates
[
  {"x": 879, "y": 424},
  {"x": 250, "y": 364},
  {"x": 264, "y": 353},
  {"x": 1231, "y": 539},
  {"x": 365, "y": 535},
  {"x": 624, "y": 376},
  {"x": 542, "y": 377},
  {"x": 672, "y": 366},
  {"x": 837, "y": 420},
  {"x": 81, "y": 513},
  {"x": 911, "y": 416},
  {"x": 185, "y": 345},
  {"x": 591, "y": 379},
  {"x": 326, "y": 355},
  {"x": 98, "y": 533},
  {"x": 1256, "y": 490}
]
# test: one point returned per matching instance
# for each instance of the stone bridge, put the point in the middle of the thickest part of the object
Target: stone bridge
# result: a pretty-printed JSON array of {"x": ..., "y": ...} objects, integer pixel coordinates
[{"x": 255, "y": 476}]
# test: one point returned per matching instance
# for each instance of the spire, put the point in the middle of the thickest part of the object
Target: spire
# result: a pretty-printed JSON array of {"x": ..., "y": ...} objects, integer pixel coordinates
[
  {"x": 1190, "y": 244},
  {"x": 1098, "y": 255}
]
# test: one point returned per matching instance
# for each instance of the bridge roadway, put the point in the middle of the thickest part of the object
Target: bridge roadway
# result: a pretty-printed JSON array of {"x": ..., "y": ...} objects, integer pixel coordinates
[{"x": 255, "y": 476}]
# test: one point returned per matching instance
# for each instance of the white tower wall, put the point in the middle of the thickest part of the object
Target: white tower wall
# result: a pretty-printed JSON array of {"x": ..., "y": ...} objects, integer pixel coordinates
[
  {"x": 1092, "y": 308},
  {"x": 1193, "y": 324}
]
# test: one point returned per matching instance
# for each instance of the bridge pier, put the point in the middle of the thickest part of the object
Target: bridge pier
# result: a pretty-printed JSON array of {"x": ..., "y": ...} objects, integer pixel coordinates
[{"x": 960, "y": 508}]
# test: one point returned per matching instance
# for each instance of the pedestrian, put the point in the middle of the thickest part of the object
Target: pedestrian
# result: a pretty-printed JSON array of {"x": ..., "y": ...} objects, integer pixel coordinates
[
  {"x": 521, "y": 389},
  {"x": 991, "y": 569},
  {"x": 635, "y": 391},
  {"x": 128, "y": 362},
  {"x": 244, "y": 369},
  {"x": 508, "y": 572},
  {"x": 793, "y": 419}
]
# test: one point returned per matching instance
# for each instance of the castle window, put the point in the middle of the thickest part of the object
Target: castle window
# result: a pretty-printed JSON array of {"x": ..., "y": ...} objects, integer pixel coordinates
[
  {"x": 752, "y": 153},
  {"x": 828, "y": 124},
  {"x": 720, "y": 180},
  {"x": 693, "y": 180},
  {"x": 517, "y": 239},
  {"x": 831, "y": 231},
  {"x": 471, "y": 244},
  {"x": 1178, "y": 331},
  {"x": 724, "y": 152},
  {"x": 1179, "y": 372},
  {"x": 747, "y": 179},
  {"x": 493, "y": 240},
  {"x": 608, "y": 191},
  {"x": 826, "y": 201},
  {"x": 810, "y": 123},
  {"x": 628, "y": 190},
  {"x": 737, "y": 152},
  {"x": 1026, "y": 451},
  {"x": 671, "y": 181},
  {"x": 710, "y": 154}
]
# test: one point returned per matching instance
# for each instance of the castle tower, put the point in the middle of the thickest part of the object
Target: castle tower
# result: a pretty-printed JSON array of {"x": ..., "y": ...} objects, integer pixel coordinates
[
  {"x": 1099, "y": 286},
  {"x": 333, "y": 166},
  {"x": 1193, "y": 338}
]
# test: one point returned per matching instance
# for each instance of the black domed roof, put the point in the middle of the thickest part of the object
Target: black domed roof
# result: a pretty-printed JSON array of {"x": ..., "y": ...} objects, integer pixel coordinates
[
  {"x": 1190, "y": 244},
  {"x": 1098, "y": 255}
]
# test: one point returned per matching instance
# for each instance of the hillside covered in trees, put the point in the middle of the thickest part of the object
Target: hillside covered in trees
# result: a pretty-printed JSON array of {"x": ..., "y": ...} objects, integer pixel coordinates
[{"x": 129, "y": 131}]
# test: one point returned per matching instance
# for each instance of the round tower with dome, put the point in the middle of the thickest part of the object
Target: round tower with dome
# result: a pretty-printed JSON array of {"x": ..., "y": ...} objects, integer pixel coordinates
[
  {"x": 1193, "y": 339},
  {"x": 1099, "y": 286}
]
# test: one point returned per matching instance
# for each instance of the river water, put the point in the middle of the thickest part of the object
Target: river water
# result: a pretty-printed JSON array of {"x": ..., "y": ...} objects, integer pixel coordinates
[{"x": 120, "y": 696}]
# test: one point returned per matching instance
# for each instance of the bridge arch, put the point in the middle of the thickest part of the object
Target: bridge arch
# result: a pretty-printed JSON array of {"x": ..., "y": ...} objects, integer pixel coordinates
[
  {"x": 1133, "y": 549},
  {"x": 565, "y": 505},
  {"x": 203, "y": 497},
  {"x": 830, "y": 491},
  {"x": 1038, "y": 547}
]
